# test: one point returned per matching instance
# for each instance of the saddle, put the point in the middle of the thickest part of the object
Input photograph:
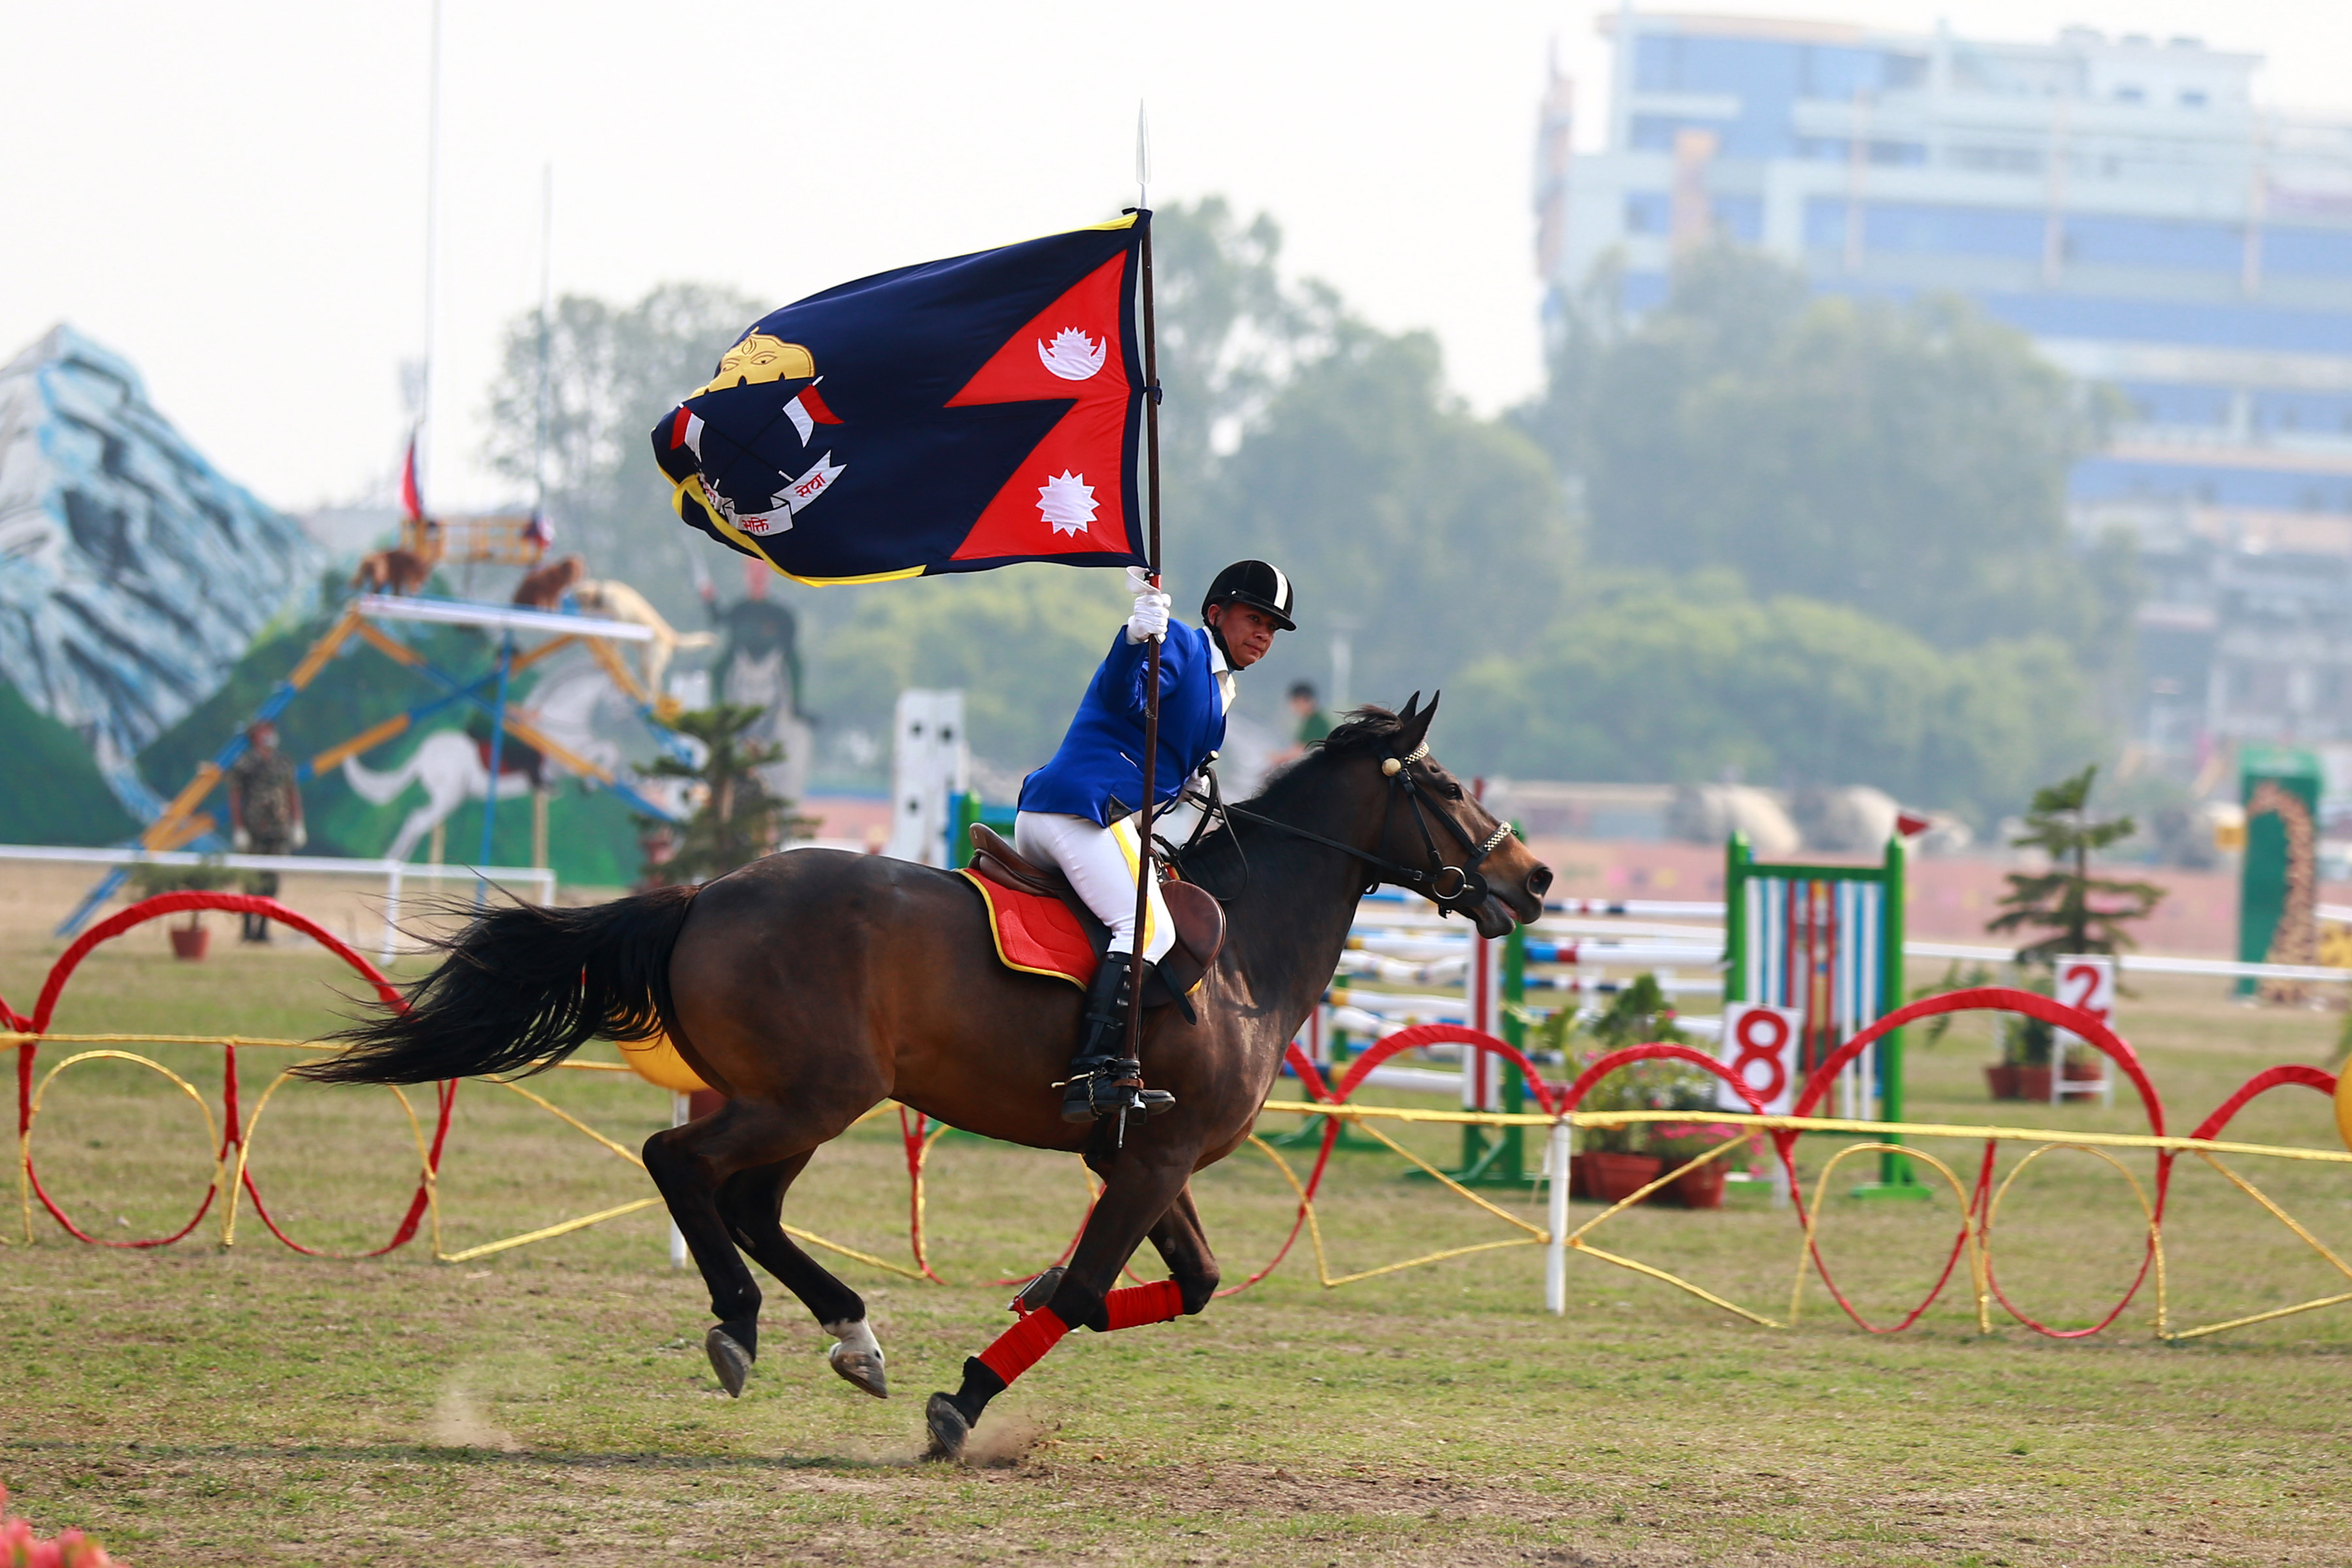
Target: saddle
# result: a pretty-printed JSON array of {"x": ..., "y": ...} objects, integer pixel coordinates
[{"x": 1002, "y": 875}]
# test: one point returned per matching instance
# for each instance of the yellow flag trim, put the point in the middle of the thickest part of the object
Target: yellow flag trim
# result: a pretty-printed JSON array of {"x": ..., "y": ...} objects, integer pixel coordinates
[{"x": 692, "y": 486}]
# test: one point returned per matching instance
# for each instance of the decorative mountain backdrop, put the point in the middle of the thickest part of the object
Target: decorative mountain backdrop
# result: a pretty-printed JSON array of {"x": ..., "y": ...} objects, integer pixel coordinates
[{"x": 134, "y": 577}]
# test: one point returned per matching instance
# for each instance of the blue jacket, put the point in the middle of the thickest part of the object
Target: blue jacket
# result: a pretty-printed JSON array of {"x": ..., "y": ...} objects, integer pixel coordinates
[{"x": 1100, "y": 759}]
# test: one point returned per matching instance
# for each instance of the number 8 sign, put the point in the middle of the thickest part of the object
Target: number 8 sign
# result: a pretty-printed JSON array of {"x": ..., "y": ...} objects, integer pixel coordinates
[{"x": 1759, "y": 1048}]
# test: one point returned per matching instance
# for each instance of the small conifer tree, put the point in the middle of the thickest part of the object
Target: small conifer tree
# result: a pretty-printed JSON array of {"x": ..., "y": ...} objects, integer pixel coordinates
[
  {"x": 738, "y": 819},
  {"x": 2079, "y": 912}
]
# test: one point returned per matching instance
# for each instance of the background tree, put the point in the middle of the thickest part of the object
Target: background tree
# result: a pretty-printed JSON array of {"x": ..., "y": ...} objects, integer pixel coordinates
[
  {"x": 1907, "y": 460},
  {"x": 1647, "y": 677},
  {"x": 1830, "y": 532},
  {"x": 2060, "y": 900},
  {"x": 613, "y": 371},
  {"x": 1442, "y": 536},
  {"x": 736, "y": 819}
]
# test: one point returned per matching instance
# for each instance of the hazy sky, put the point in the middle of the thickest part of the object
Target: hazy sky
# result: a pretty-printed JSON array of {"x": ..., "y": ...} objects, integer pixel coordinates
[{"x": 233, "y": 195}]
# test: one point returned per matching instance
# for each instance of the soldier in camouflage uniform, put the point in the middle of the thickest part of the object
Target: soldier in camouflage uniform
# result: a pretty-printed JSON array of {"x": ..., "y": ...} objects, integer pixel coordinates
[{"x": 264, "y": 814}]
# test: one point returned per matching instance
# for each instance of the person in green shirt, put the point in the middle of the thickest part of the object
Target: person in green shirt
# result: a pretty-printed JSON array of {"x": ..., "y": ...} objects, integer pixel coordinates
[{"x": 1314, "y": 724}]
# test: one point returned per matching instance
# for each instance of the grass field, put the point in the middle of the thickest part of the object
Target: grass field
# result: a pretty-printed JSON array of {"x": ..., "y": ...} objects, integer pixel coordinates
[{"x": 552, "y": 1405}]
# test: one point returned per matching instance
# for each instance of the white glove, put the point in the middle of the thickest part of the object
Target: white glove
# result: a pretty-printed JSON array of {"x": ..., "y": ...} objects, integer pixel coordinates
[
  {"x": 302, "y": 836},
  {"x": 239, "y": 840},
  {"x": 1149, "y": 622}
]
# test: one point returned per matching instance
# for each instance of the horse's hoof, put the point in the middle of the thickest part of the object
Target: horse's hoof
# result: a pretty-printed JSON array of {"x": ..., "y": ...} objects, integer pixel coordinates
[
  {"x": 731, "y": 1361},
  {"x": 863, "y": 1368},
  {"x": 948, "y": 1428},
  {"x": 1040, "y": 1290}
]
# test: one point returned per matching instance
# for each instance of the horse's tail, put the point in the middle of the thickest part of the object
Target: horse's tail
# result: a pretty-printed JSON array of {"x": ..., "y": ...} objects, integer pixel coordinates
[
  {"x": 375, "y": 788},
  {"x": 523, "y": 986}
]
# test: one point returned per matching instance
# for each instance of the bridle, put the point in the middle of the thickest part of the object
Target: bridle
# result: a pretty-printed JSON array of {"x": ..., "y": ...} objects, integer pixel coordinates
[{"x": 1469, "y": 889}]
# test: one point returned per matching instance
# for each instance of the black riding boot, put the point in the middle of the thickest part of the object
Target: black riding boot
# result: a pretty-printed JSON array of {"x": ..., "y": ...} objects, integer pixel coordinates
[
  {"x": 1103, "y": 1077},
  {"x": 1102, "y": 1074}
]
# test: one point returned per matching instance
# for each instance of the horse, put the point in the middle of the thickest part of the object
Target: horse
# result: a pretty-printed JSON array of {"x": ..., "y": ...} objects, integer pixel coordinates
[
  {"x": 449, "y": 766},
  {"x": 812, "y": 985},
  {"x": 543, "y": 588},
  {"x": 402, "y": 570},
  {"x": 617, "y": 601}
]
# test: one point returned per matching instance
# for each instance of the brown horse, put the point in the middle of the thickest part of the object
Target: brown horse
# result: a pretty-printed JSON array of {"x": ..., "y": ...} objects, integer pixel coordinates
[
  {"x": 401, "y": 571},
  {"x": 544, "y": 588},
  {"x": 812, "y": 985}
]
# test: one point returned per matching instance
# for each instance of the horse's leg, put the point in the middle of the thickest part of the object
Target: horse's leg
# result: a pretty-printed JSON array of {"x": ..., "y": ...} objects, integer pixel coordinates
[
  {"x": 753, "y": 1203},
  {"x": 690, "y": 1164},
  {"x": 1184, "y": 1246},
  {"x": 1140, "y": 1189},
  {"x": 415, "y": 825}
]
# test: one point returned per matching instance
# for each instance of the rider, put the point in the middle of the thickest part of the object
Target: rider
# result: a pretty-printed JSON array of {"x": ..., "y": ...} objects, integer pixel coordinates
[{"x": 1077, "y": 812}]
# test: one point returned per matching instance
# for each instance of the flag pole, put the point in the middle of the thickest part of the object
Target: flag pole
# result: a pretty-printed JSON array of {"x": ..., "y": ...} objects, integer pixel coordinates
[{"x": 1150, "y": 653}]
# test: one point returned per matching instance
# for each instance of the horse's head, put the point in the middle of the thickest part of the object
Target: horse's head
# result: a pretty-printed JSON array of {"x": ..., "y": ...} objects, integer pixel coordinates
[{"x": 1430, "y": 825}]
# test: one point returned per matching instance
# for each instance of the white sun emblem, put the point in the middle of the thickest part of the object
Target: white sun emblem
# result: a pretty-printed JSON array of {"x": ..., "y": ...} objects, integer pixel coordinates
[
  {"x": 1067, "y": 502},
  {"x": 1073, "y": 356}
]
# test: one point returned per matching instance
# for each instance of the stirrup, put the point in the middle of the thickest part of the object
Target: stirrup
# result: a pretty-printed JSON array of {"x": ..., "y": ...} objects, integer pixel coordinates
[
  {"x": 1098, "y": 1085},
  {"x": 1107, "y": 1085}
]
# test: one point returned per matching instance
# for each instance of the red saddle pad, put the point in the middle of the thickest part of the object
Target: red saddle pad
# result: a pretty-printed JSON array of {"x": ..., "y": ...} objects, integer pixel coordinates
[{"x": 1035, "y": 934}]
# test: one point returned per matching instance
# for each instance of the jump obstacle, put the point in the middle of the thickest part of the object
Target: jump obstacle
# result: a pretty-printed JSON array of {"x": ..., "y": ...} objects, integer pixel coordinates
[{"x": 231, "y": 1137}]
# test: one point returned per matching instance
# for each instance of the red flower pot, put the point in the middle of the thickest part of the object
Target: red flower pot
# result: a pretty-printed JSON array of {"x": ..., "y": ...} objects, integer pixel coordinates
[
  {"x": 2000, "y": 1078},
  {"x": 1702, "y": 1188},
  {"x": 2033, "y": 1083},
  {"x": 1613, "y": 1178},
  {"x": 2085, "y": 1068},
  {"x": 190, "y": 941},
  {"x": 1580, "y": 1183}
]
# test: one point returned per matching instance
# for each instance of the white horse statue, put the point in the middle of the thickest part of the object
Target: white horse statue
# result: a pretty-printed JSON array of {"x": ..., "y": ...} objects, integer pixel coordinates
[{"x": 449, "y": 766}]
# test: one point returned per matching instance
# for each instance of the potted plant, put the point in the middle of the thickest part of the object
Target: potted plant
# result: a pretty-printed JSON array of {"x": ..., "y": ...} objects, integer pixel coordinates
[
  {"x": 2078, "y": 914},
  {"x": 192, "y": 940},
  {"x": 1615, "y": 1165},
  {"x": 2026, "y": 1045},
  {"x": 1618, "y": 1162},
  {"x": 2082, "y": 1065},
  {"x": 1677, "y": 1143}
]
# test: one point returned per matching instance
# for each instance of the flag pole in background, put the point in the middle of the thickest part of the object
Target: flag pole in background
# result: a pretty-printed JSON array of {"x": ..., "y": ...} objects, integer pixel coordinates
[{"x": 1143, "y": 863}]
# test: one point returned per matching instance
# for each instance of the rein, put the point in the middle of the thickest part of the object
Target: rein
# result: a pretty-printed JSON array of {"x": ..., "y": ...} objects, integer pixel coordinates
[{"x": 1469, "y": 890}]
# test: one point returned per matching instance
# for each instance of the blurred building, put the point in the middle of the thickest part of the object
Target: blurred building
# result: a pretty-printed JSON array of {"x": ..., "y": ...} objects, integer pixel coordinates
[{"x": 2122, "y": 200}]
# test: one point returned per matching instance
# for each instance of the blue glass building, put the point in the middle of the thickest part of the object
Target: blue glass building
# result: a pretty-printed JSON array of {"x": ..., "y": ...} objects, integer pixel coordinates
[{"x": 2126, "y": 203}]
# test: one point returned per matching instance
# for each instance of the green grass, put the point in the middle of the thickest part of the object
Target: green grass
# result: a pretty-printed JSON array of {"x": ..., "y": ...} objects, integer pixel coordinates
[{"x": 195, "y": 1406}]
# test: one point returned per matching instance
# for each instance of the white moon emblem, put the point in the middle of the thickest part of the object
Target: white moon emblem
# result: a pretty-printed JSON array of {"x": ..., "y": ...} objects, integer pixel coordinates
[{"x": 1073, "y": 356}]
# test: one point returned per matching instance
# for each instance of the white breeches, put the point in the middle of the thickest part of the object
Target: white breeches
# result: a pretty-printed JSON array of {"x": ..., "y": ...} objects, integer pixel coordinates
[{"x": 1101, "y": 864}]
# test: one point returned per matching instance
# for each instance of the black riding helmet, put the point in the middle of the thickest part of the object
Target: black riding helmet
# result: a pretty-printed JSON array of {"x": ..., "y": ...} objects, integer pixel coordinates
[{"x": 1256, "y": 584}]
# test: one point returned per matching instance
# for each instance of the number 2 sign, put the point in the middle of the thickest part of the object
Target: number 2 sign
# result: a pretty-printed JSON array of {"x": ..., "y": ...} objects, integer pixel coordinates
[
  {"x": 2088, "y": 982},
  {"x": 1759, "y": 1048}
]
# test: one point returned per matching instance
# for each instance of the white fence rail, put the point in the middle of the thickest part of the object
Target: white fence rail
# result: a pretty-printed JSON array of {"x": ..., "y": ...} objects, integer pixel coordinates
[{"x": 394, "y": 872}]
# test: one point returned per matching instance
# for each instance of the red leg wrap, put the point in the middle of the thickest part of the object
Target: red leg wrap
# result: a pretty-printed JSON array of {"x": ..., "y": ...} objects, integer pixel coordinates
[
  {"x": 1161, "y": 1302},
  {"x": 1018, "y": 1348}
]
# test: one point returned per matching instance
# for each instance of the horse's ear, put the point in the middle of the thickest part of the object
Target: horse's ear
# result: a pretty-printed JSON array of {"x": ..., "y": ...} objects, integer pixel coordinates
[
  {"x": 1412, "y": 706},
  {"x": 1413, "y": 728}
]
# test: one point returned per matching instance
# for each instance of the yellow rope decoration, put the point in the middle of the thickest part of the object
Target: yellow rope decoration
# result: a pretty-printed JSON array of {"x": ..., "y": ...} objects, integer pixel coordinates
[
  {"x": 1959, "y": 1192},
  {"x": 2148, "y": 1212},
  {"x": 2287, "y": 1220},
  {"x": 25, "y": 1143},
  {"x": 244, "y": 1154},
  {"x": 1976, "y": 1239}
]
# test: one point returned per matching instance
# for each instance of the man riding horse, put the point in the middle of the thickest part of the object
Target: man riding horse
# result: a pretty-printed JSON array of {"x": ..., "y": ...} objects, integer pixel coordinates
[{"x": 1077, "y": 813}]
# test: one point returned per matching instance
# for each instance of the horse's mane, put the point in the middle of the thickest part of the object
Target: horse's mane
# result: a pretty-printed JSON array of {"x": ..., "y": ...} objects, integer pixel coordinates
[{"x": 1368, "y": 729}]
